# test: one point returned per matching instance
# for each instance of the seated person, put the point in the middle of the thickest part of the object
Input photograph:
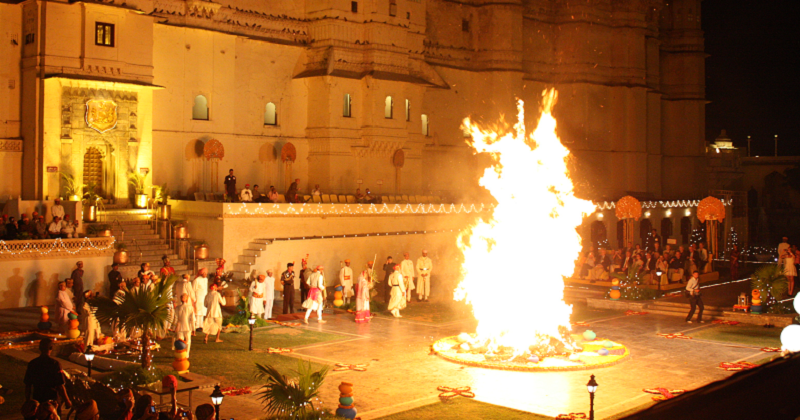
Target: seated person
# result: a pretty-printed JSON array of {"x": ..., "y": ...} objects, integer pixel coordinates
[
  {"x": 12, "y": 229},
  {"x": 40, "y": 228},
  {"x": 675, "y": 267},
  {"x": 54, "y": 228},
  {"x": 69, "y": 229},
  {"x": 25, "y": 225},
  {"x": 246, "y": 196},
  {"x": 316, "y": 190},
  {"x": 360, "y": 197},
  {"x": 369, "y": 198},
  {"x": 258, "y": 196},
  {"x": 616, "y": 261},
  {"x": 273, "y": 194}
]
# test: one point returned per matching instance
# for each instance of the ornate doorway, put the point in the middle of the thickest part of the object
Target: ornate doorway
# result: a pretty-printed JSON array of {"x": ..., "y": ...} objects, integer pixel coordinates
[{"x": 93, "y": 173}]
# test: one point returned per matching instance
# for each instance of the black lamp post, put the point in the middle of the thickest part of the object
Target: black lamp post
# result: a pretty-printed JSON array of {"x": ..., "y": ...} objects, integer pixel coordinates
[
  {"x": 89, "y": 355},
  {"x": 251, "y": 321},
  {"x": 659, "y": 273},
  {"x": 592, "y": 387},
  {"x": 216, "y": 399}
]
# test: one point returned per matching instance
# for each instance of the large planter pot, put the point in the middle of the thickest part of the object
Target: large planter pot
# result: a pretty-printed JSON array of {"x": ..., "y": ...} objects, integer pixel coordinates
[
  {"x": 90, "y": 214},
  {"x": 74, "y": 197},
  {"x": 121, "y": 257},
  {"x": 164, "y": 211},
  {"x": 181, "y": 232},
  {"x": 201, "y": 252},
  {"x": 104, "y": 233},
  {"x": 141, "y": 201}
]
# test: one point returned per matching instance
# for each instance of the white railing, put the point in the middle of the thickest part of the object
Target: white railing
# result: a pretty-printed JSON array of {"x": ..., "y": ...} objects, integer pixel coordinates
[{"x": 43, "y": 248}]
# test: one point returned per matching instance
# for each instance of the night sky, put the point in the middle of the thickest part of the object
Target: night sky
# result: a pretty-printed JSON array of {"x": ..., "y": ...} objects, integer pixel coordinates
[{"x": 753, "y": 73}]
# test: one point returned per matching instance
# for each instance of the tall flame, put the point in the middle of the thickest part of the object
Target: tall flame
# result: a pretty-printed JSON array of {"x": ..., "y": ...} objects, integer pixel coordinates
[{"x": 514, "y": 263}]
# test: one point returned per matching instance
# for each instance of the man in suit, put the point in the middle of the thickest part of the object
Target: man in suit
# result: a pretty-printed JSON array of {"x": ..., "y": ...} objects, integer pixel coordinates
[
  {"x": 388, "y": 269},
  {"x": 287, "y": 280},
  {"x": 230, "y": 186}
]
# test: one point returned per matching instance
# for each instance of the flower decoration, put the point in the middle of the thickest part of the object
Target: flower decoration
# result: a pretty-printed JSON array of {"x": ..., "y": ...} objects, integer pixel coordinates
[
  {"x": 710, "y": 208},
  {"x": 628, "y": 208}
]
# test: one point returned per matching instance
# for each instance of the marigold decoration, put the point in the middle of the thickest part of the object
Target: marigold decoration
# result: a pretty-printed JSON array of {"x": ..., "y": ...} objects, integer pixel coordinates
[
  {"x": 580, "y": 324},
  {"x": 278, "y": 350},
  {"x": 664, "y": 393},
  {"x": 630, "y": 312},
  {"x": 344, "y": 366},
  {"x": 723, "y": 322},
  {"x": 674, "y": 335},
  {"x": 572, "y": 416},
  {"x": 44, "y": 320},
  {"x": 737, "y": 366},
  {"x": 770, "y": 349},
  {"x": 181, "y": 362},
  {"x": 628, "y": 209},
  {"x": 448, "y": 392},
  {"x": 712, "y": 211},
  {"x": 232, "y": 390}
]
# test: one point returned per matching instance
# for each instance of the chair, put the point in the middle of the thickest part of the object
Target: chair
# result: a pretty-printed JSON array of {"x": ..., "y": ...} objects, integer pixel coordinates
[
  {"x": 198, "y": 196},
  {"x": 412, "y": 199},
  {"x": 351, "y": 199},
  {"x": 422, "y": 199},
  {"x": 326, "y": 198},
  {"x": 281, "y": 198},
  {"x": 342, "y": 198},
  {"x": 306, "y": 198},
  {"x": 316, "y": 198},
  {"x": 334, "y": 198},
  {"x": 388, "y": 199},
  {"x": 404, "y": 198}
]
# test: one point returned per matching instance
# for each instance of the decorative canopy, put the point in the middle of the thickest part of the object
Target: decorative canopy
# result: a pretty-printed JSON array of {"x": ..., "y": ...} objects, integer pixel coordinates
[
  {"x": 213, "y": 150},
  {"x": 628, "y": 208},
  {"x": 288, "y": 153},
  {"x": 710, "y": 208}
]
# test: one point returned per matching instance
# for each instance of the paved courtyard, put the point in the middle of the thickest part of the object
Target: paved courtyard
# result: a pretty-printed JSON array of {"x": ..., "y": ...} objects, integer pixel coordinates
[{"x": 402, "y": 373}]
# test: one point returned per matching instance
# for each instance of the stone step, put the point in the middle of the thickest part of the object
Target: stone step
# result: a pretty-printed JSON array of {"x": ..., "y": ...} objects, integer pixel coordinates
[
  {"x": 665, "y": 305},
  {"x": 140, "y": 236},
  {"x": 135, "y": 229},
  {"x": 144, "y": 248},
  {"x": 261, "y": 242},
  {"x": 247, "y": 259},
  {"x": 252, "y": 252},
  {"x": 242, "y": 267},
  {"x": 240, "y": 275}
]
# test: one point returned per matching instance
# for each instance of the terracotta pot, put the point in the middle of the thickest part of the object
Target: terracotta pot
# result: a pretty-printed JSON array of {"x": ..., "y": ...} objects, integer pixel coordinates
[
  {"x": 346, "y": 388},
  {"x": 180, "y": 354},
  {"x": 181, "y": 365},
  {"x": 73, "y": 324},
  {"x": 45, "y": 309},
  {"x": 71, "y": 334},
  {"x": 201, "y": 252},
  {"x": 180, "y": 232},
  {"x": 44, "y": 318},
  {"x": 164, "y": 211},
  {"x": 121, "y": 257},
  {"x": 104, "y": 233}
]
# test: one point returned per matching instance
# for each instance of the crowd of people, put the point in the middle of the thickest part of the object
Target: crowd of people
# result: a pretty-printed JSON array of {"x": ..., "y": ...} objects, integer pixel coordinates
[
  {"x": 35, "y": 227},
  {"x": 674, "y": 263},
  {"x": 292, "y": 195}
]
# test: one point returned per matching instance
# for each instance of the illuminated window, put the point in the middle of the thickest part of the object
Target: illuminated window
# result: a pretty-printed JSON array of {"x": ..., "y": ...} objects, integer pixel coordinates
[
  {"x": 408, "y": 110},
  {"x": 270, "y": 115},
  {"x": 104, "y": 34},
  {"x": 347, "y": 105},
  {"x": 200, "y": 109},
  {"x": 424, "y": 119},
  {"x": 387, "y": 111}
]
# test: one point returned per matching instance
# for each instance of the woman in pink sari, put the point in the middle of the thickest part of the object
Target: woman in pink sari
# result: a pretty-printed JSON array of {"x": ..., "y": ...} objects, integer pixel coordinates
[{"x": 365, "y": 282}]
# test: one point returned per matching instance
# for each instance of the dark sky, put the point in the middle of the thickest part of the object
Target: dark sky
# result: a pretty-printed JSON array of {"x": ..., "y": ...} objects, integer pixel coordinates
[{"x": 753, "y": 72}]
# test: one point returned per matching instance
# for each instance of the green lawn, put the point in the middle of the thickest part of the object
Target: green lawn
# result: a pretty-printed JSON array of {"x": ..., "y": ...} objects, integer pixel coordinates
[
  {"x": 460, "y": 408},
  {"x": 230, "y": 361},
  {"x": 11, "y": 376},
  {"x": 433, "y": 312},
  {"x": 749, "y": 335}
]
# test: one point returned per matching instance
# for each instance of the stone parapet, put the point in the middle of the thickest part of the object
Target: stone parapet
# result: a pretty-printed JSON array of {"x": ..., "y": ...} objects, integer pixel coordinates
[{"x": 56, "y": 248}]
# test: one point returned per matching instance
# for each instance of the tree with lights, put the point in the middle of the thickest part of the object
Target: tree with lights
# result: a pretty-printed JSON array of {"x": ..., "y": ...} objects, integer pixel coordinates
[{"x": 144, "y": 309}]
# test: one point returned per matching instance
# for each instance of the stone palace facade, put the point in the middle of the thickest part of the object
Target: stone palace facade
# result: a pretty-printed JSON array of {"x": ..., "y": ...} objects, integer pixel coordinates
[{"x": 345, "y": 94}]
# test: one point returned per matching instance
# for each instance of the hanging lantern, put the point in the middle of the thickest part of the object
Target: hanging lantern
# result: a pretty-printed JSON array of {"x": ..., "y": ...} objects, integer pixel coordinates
[{"x": 628, "y": 209}]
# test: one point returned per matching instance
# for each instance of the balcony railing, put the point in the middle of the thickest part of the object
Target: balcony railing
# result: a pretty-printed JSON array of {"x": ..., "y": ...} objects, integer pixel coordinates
[{"x": 56, "y": 248}]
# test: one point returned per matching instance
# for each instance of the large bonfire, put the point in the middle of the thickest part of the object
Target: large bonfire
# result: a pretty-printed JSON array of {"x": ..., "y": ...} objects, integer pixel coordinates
[{"x": 514, "y": 263}]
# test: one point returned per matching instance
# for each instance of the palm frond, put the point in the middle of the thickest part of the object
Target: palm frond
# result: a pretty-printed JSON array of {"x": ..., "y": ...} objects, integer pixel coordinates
[
  {"x": 770, "y": 281},
  {"x": 284, "y": 397}
]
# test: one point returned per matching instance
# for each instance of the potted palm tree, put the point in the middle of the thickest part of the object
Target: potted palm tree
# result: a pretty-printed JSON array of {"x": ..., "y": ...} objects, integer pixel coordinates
[
  {"x": 285, "y": 397},
  {"x": 137, "y": 181},
  {"x": 162, "y": 197},
  {"x": 121, "y": 254},
  {"x": 90, "y": 202},
  {"x": 72, "y": 188},
  {"x": 770, "y": 281},
  {"x": 143, "y": 309}
]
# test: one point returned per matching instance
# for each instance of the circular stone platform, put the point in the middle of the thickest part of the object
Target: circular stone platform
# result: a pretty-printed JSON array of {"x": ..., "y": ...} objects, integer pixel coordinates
[{"x": 448, "y": 348}]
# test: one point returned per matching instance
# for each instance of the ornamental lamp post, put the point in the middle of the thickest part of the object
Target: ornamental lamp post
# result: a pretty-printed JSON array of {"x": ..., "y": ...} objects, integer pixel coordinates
[
  {"x": 659, "y": 273},
  {"x": 216, "y": 399},
  {"x": 251, "y": 321},
  {"x": 592, "y": 387},
  {"x": 89, "y": 355}
]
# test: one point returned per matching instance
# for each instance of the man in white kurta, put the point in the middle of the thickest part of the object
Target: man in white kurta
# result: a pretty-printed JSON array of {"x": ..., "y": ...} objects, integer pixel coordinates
[
  {"x": 200, "y": 286},
  {"x": 64, "y": 305},
  {"x": 269, "y": 294},
  {"x": 316, "y": 295},
  {"x": 407, "y": 270},
  {"x": 424, "y": 268},
  {"x": 184, "y": 321},
  {"x": 213, "y": 323},
  {"x": 346, "y": 281},
  {"x": 256, "y": 297},
  {"x": 398, "y": 299}
]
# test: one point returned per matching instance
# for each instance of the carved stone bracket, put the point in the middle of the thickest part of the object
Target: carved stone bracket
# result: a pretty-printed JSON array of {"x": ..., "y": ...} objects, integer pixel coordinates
[
  {"x": 11, "y": 145},
  {"x": 202, "y": 8}
]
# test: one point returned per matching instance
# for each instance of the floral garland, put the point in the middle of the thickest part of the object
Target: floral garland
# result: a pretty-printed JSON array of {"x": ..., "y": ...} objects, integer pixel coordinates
[
  {"x": 771, "y": 349},
  {"x": 344, "y": 366},
  {"x": 674, "y": 335},
  {"x": 448, "y": 392},
  {"x": 664, "y": 393},
  {"x": 630, "y": 312},
  {"x": 572, "y": 416},
  {"x": 723, "y": 322},
  {"x": 234, "y": 391},
  {"x": 278, "y": 350},
  {"x": 737, "y": 366}
]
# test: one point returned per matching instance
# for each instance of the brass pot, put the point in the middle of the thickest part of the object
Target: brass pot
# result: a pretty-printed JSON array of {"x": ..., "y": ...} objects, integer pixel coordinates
[
  {"x": 141, "y": 201},
  {"x": 121, "y": 257},
  {"x": 104, "y": 233},
  {"x": 180, "y": 232},
  {"x": 90, "y": 214},
  {"x": 201, "y": 252},
  {"x": 164, "y": 211}
]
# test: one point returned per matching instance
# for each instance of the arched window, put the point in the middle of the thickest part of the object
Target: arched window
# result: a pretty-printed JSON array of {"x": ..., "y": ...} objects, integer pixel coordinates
[
  {"x": 408, "y": 110},
  {"x": 621, "y": 234},
  {"x": 666, "y": 228},
  {"x": 347, "y": 104},
  {"x": 645, "y": 230},
  {"x": 686, "y": 229},
  {"x": 424, "y": 119},
  {"x": 270, "y": 115},
  {"x": 387, "y": 111},
  {"x": 200, "y": 108},
  {"x": 598, "y": 233}
]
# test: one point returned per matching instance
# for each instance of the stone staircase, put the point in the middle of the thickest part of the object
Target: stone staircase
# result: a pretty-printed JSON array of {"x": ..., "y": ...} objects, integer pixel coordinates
[
  {"x": 681, "y": 309},
  {"x": 250, "y": 255},
  {"x": 131, "y": 227}
]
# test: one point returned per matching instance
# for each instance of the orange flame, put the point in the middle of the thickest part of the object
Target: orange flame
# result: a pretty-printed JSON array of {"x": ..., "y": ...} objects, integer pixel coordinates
[{"x": 514, "y": 264}]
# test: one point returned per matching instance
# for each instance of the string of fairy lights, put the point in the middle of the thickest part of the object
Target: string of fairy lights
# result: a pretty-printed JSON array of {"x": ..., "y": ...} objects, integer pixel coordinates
[
  {"x": 609, "y": 205},
  {"x": 320, "y": 209},
  {"x": 57, "y": 245}
]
